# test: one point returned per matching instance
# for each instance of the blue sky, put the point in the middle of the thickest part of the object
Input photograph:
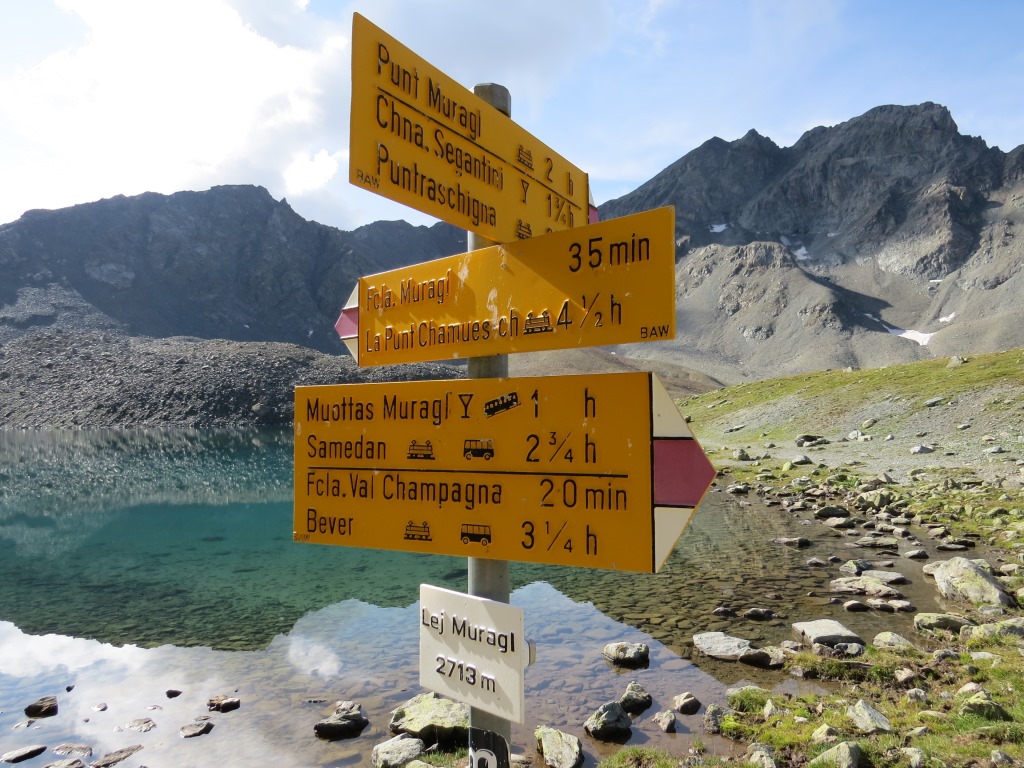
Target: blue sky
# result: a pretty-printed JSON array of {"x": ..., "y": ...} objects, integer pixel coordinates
[{"x": 107, "y": 97}]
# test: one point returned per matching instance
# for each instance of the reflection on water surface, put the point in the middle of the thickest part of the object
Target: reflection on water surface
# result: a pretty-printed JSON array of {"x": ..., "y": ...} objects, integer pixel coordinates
[{"x": 136, "y": 562}]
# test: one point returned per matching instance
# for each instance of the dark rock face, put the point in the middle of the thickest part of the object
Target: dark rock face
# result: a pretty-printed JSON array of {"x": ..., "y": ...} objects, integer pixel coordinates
[
  {"x": 229, "y": 263},
  {"x": 790, "y": 259}
]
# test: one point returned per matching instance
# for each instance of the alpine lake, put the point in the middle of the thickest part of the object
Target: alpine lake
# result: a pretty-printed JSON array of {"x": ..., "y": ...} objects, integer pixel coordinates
[{"x": 133, "y": 563}]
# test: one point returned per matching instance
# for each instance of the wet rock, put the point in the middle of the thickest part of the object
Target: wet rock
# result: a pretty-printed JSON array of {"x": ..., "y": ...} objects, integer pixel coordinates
[
  {"x": 345, "y": 722},
  {"x": 878, "y": 542},
  {"x": 432, "y": 718},
  {"x": 628, "y": 654},
  {"x": 559, "y": 750},
  {"x": 72, "y": 750},
  {"x": 797, "y": 542},
  {"x": 25, "y": 753},
  {"x": 758, "y": 614},
  {"x": 198, "y": 727},
  {"x": 44, "y": 707},
  {"x": 141, "y": 725},
  {"x": 666, "y": 721},
  {"x": 724, "y": 612},
  {"x": 886, "y": 577},
  {"x": 223, "y": 704},
  {"x": 867, "y": 719},
  {"x": 398, "y": 751},
  {"x": 825, "y": 632},
  {"x": 878, "y": 604},
  {"x": 719, "y": 645},
  {"x": 863, "y": 585},
  {"x": 636, "y": 699},
  {"x": 113, "y": 758},
  {"x": 848, "y": 649},
  {"x": 172, "y": 693},
  {"x": 855, "y": 567},
  {"x": 609, "y": 721},
  {"x": 830, "y": 511},
  {"x": 961, "y": 579},
  {"x": 846, "y": 754},
  {"x": 855, "y": 606},
  {"x": 686, "y": 704}
]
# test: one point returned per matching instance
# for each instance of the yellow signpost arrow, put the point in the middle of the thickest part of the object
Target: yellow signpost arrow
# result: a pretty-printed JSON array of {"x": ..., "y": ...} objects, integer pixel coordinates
[
  {"x": 422, "y": 139},
  {"x": 598, "y": 471},
  {"x": 607, "y": 283}
]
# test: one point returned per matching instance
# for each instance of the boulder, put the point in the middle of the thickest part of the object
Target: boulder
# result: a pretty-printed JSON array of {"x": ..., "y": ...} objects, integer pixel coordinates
[
  {"x": 686, "y": 704},
  {"x": 666, "y": 721},
  {"x": 198, "y": 727},
  {"x": 398, "y": 751},
  {"x": 965, "y": 580},
  {"x": 1006, "y": 628},
  {"x": 44, "y": 707},
  {"x": 25, "y": 753},
  {"x": 345, "y": 722},
  {"x": 867, "y": 719},
  {"x": 559, "y": 750},
  {"x": 628, "y": 654},
  {"x": 947, "y": 621},
  {"x": 609, "y": 721},
  {"x": 433, "y": 719},
  {"x": 635, "y": 700}
]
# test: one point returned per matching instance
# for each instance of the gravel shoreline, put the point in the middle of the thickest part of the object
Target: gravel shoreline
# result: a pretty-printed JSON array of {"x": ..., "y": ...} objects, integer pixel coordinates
[{"x": 55, "y": 379}]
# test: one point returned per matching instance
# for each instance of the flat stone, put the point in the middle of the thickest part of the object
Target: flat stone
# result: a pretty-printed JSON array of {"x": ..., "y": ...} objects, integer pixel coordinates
[
  {"x": 719, "y": 645},
  {"x": 863, "y": 585},
  {"x": 947, "y": 621},
  {"x": 25, "y": 753},
  {"x": 825, "y": 632},
  {"x": 44, "y": 707},
  {"x": 113, "y": 758}
]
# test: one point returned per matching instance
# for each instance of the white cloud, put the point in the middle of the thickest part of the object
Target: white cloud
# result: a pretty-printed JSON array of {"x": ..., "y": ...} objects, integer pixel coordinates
[{"x": 308, "y": 173}]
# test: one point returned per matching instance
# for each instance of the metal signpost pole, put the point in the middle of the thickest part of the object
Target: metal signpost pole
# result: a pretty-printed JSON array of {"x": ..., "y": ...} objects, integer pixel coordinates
[{"x": 489, "y": 578}]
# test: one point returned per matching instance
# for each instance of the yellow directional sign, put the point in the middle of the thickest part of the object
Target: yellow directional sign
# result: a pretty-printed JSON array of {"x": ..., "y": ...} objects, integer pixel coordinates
[
  {"x": 597, "y": 471},
  {"x": 607, "y": 283},
  {"x": 422, "y": 139}
]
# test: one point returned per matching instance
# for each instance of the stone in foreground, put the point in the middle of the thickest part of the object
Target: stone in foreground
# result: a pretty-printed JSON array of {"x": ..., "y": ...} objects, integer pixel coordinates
[
  {"x": 844, "y": 755},
  {"x": 432, "y": 718},
  {"x": 867, "y": 719},
  {"x": 559, "y": 750},
  {"x": 610, "y": 721},
  {"x": 398, "y": 751}
]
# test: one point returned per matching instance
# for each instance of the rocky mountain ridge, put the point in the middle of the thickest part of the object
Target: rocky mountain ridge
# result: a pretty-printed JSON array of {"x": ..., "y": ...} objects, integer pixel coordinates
[{"x": 888, "y": 238}]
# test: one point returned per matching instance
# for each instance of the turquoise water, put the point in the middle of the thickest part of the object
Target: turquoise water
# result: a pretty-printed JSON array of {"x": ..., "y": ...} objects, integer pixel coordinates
[{"x": 136, "y": 562}]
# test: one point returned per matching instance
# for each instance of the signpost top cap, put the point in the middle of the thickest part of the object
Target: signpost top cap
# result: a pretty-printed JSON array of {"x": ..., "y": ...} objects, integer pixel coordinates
[{"x": 497, "y": 96}]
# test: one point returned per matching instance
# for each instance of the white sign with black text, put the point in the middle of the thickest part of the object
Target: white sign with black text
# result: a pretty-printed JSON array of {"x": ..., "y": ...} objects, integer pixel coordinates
[{"x": 473, "y": 650}]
